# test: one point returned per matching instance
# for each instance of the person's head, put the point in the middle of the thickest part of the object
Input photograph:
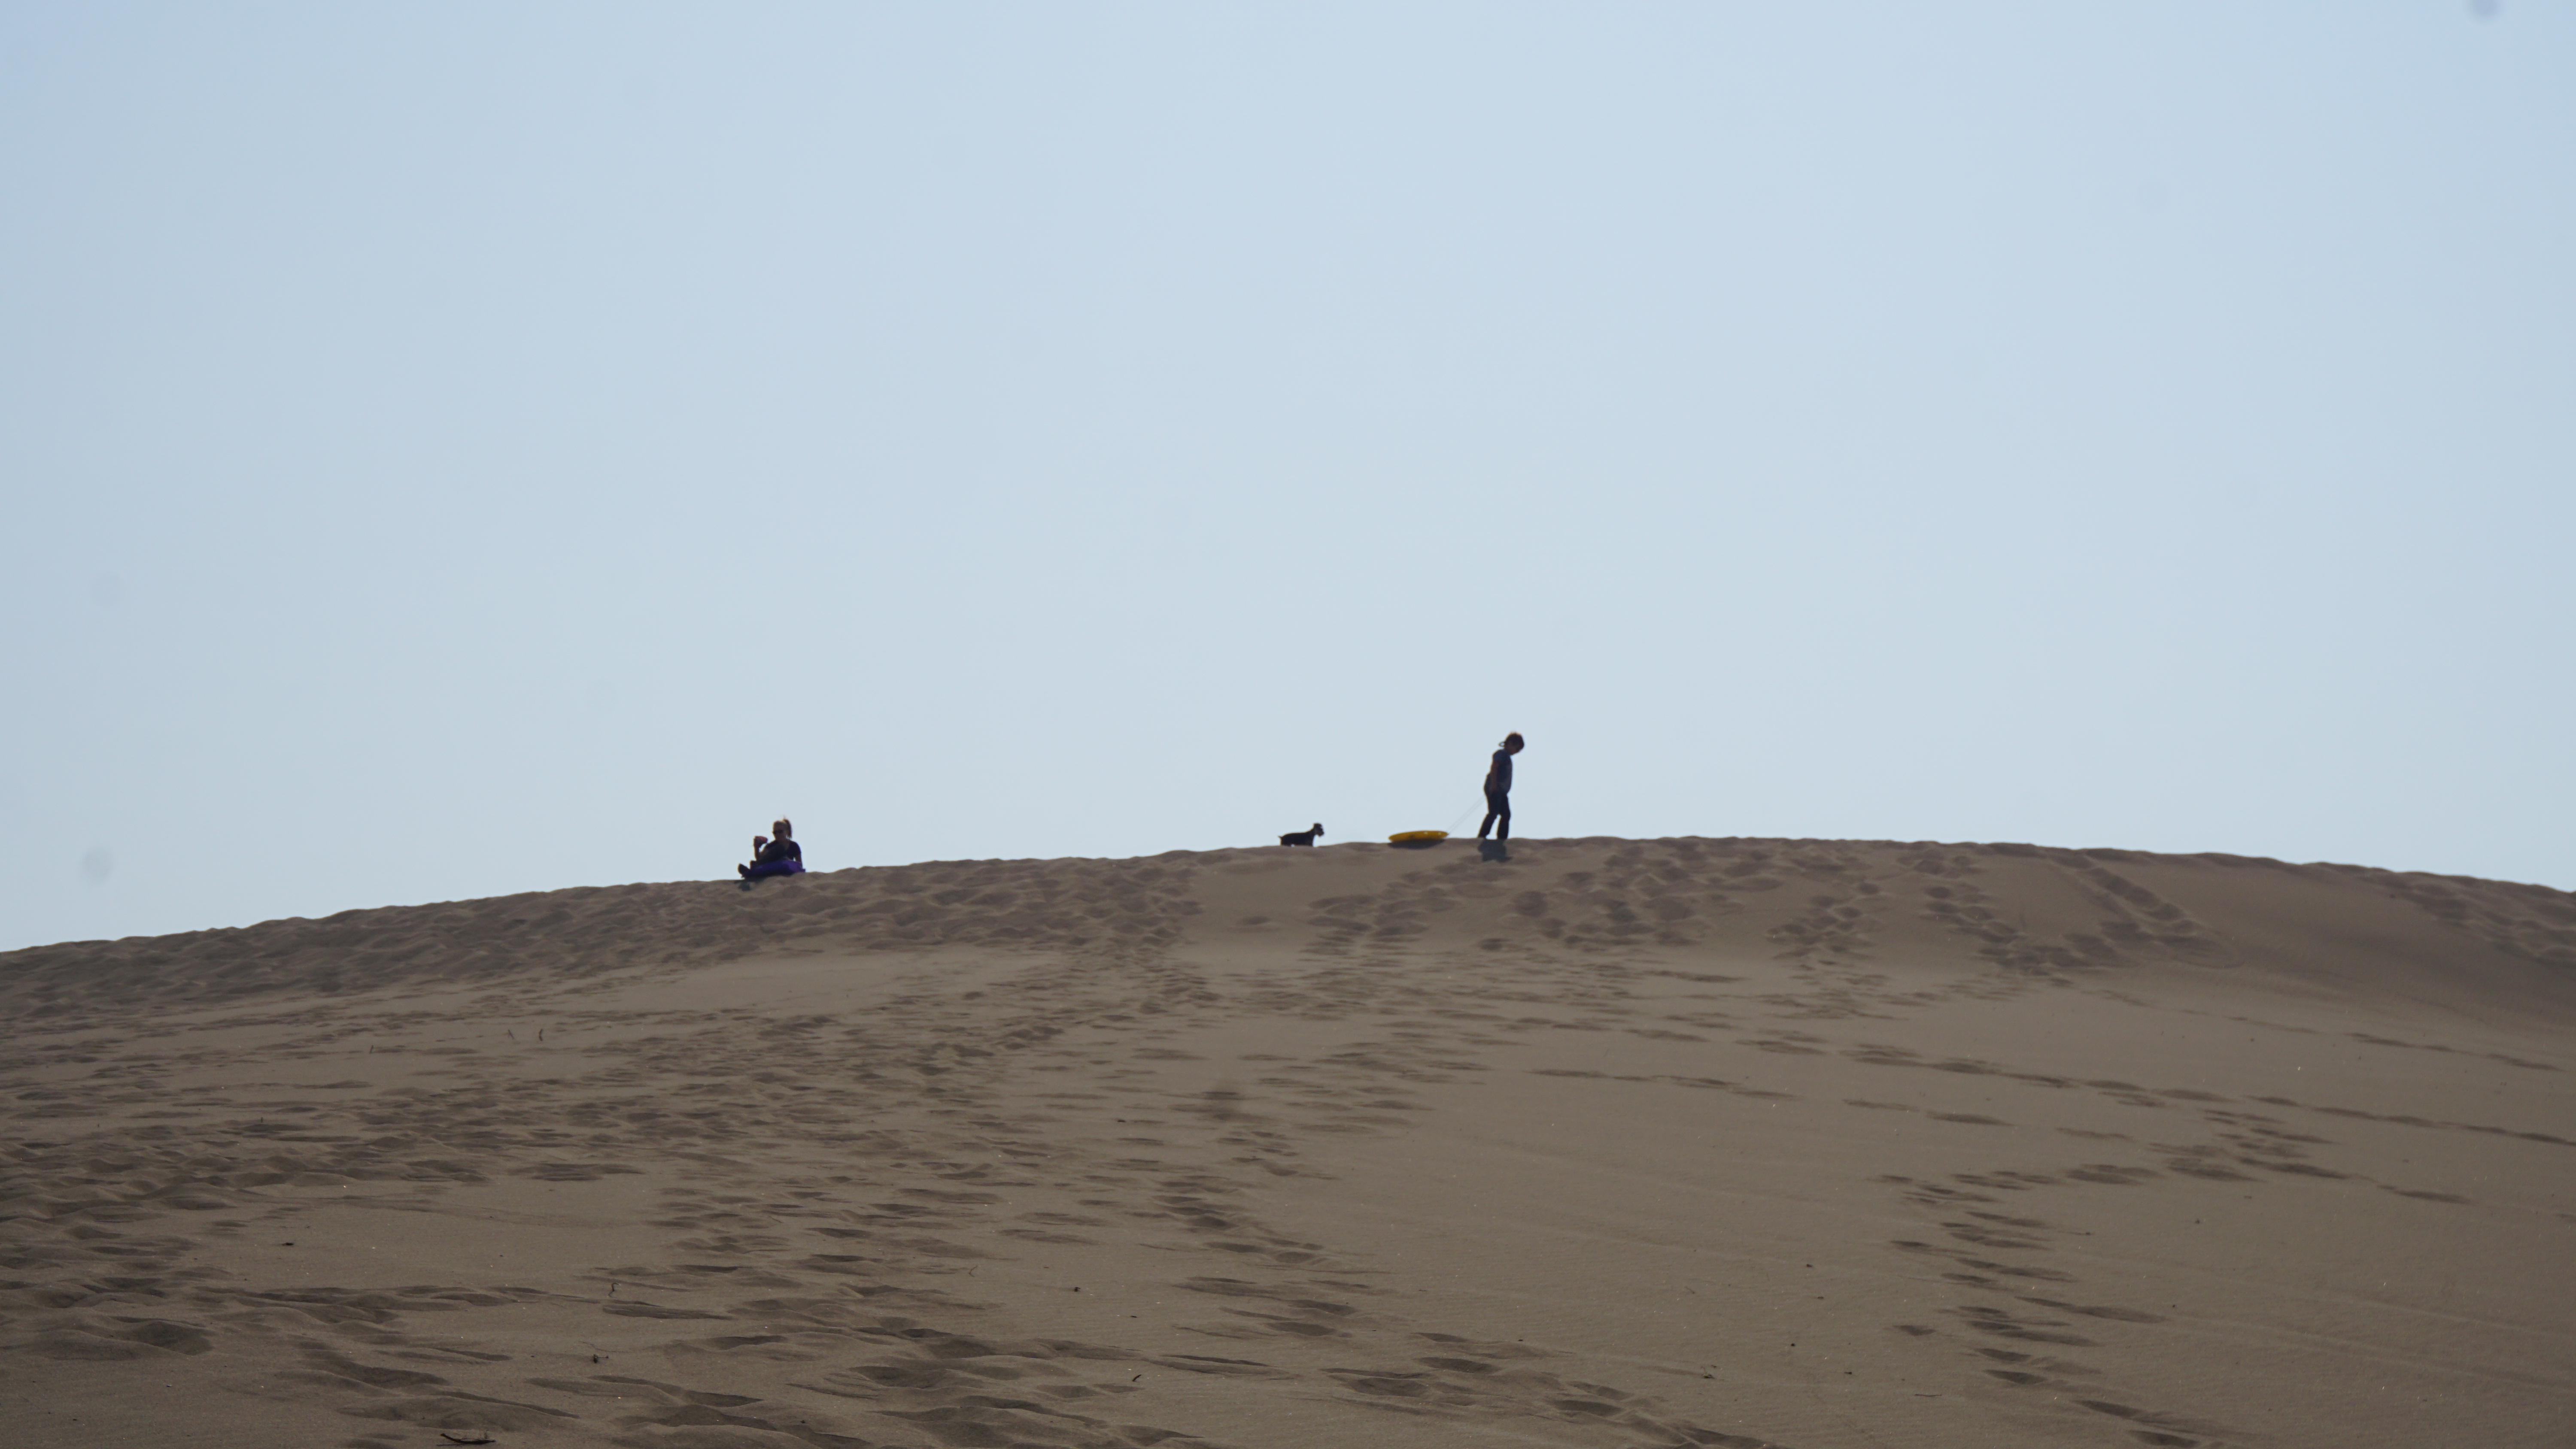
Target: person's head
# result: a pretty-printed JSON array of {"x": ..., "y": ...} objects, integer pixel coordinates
[
  {"x": 782, "y": 830},
  {"x": 1512, "y": 742}
]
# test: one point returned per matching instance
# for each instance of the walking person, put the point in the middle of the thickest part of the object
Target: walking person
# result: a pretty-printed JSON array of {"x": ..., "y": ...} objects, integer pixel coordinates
[{"x": 1498, "y": 791}]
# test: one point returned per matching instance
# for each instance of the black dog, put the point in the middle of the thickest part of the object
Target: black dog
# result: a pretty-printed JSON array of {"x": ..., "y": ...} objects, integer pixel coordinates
[{"x": 1302, "y": 837}]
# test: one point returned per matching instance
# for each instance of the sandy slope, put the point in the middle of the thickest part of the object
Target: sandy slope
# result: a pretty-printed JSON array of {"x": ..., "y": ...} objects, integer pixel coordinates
[{"x": 1682, "y": 1142}]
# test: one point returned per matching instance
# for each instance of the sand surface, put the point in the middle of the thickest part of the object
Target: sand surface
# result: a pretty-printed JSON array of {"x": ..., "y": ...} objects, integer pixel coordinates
[{"x": 1675, "y": 1142}]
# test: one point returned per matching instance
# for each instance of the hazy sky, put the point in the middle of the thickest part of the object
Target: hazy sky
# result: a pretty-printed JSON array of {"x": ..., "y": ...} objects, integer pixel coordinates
[{"x": 460, "y": 449}]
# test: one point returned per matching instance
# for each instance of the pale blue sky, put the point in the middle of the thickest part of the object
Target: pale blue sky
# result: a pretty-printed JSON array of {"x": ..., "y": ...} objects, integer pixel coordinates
[{"x": 461, "y": 449}]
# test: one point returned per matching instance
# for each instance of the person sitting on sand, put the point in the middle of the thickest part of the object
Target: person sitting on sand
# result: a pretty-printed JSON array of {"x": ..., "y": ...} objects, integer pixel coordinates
[
  {"x": 1498, "y": 789},
  {"x": 782, "y": 856}
]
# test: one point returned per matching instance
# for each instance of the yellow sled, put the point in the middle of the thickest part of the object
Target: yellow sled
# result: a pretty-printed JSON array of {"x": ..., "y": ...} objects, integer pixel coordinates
[{"x": 1417, "y": 839}]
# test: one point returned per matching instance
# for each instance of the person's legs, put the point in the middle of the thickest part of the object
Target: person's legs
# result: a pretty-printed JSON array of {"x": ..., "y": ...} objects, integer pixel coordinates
[
  {"x": 775, "y": 867},
  {"x": 1498, "y": 810}
]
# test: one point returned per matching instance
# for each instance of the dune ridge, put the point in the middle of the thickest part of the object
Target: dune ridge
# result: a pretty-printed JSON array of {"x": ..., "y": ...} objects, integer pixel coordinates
[
  {"x": 1677, "y": 1142},
  {"x": 588, "y": 929}
]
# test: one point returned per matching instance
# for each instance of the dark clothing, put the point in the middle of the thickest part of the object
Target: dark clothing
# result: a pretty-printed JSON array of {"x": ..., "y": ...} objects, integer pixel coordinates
[
  {"x": 1498, "y": 796},
  {"x": 779, "y": 857}
]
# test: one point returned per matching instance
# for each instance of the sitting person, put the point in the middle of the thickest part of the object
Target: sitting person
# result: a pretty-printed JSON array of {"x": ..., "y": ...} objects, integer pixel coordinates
[{"x": 782, "y": 856}]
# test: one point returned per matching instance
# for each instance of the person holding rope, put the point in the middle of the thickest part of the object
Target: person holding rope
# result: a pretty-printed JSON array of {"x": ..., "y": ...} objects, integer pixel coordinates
[{"x": 1498, "y": 790}]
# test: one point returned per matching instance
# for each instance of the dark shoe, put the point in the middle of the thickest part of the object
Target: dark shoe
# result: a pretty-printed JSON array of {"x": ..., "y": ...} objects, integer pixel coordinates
[{"x": 743, "y": 870}]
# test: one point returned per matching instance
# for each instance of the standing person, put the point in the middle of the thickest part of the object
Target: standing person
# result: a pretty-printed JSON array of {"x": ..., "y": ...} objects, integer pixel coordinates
[
  {"x": 782, "y": 856},
  {"x": 1498, "y": 789}
]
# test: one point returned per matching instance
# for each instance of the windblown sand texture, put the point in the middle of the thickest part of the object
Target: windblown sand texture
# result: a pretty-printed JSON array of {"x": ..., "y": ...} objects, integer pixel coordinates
[{"x": 1673, "y": 1142}]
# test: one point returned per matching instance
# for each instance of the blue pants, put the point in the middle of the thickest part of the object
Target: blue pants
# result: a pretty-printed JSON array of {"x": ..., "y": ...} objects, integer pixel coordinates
[
  {"x": 775, "y": 867},
  {"x": 1498, "y": 808}
]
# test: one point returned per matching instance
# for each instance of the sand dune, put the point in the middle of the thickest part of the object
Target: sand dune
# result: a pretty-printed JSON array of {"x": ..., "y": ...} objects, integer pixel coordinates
[{"x": 1676, "y": 1142}]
